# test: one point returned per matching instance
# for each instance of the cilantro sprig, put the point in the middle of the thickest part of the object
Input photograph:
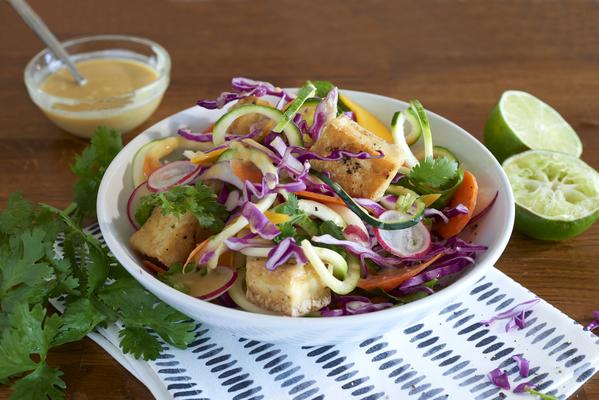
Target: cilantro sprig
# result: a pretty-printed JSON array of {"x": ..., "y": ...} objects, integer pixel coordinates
[
  {"x": 299, "y": 219},
  {"x": 89, "y": 167},
  {"x": 97, "y": 291},
  {"x": 178, "y": 200},
  {"x": 434, "y": 173}
]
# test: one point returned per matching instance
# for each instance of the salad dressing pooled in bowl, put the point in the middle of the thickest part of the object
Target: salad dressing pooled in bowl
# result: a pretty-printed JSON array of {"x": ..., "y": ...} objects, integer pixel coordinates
[{"x": 126, "y": 78}]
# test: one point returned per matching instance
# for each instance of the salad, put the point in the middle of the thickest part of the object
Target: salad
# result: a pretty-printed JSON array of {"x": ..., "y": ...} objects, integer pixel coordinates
[{"x": 303, "y": 205}]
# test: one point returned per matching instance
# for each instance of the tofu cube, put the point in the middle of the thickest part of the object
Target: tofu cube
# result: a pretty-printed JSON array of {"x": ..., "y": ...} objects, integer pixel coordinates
[
  {"x": 167, "y": 238},
  {"x": 291, "y": 289},
  {"x": 367, "y": 178}
]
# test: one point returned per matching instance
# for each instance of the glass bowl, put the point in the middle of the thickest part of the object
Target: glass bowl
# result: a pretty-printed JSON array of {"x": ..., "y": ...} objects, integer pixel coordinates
[{"x": 123, "y": 113}]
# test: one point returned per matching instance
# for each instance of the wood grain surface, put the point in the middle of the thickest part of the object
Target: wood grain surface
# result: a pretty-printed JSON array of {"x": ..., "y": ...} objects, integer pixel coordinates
[{"x": 455, "y": 56}]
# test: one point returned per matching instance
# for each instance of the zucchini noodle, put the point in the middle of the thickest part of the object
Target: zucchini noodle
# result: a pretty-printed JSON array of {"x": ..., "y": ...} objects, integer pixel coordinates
[{"x": 328, "y": 279}]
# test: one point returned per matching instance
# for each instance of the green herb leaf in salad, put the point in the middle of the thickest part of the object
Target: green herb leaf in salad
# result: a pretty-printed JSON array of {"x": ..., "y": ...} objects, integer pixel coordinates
[
  {"x": 298, "y": 219},
  {"x": 434, "y": 173},
  {"x": 331, "y": 228},
  {"x": 178, "y": 200}
]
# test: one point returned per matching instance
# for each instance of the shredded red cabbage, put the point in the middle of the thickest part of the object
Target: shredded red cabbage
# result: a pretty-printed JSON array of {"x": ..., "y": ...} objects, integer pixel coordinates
[
  {"x": 282, "y": 252},
  {"x": 352, "y": 305},
  {"x": 523, "y": 365},
  {"x": 317, "y": 187},
  {"x": 594, "y": 324},
  {"x": 372, "y": 205},
  {"x": 260, "y": 190},
  {"x": 226, "y": 97},
  {"x": 350, "y": 114},
  {"x": 205, "y": 258},
  {"x": 499, "y": 378},
  {"x": 245, "y": 84},
  {"x": 359, "y": 250},
  {"x": 207, "y": 137},
  {"x": 249, "y": 240},
  {"x": 223, "y": 195},
  {"x": 258, "y": 222},
  {"x": 244, "y": 87},
  {"x": 325, "y": 111},
  {"x": 411, "y": 290},
  {"x": 453, "y": 265},
  {"x": 516, "y": 315},
  {"x": 521, "y": 388},
  {"x": 446, "y": 213},
  {"x": 225, "y": 300},
  {"x": 335, "y": 155},
  {"x": 397, "y": 178}
]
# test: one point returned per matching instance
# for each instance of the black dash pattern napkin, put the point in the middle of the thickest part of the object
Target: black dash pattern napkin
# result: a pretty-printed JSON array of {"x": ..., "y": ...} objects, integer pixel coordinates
[{"x": 445, "y": 356}]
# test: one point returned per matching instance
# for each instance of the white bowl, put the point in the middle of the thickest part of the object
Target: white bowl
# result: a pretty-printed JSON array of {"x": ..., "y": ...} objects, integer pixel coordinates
[{"x": 493, "y": 231}]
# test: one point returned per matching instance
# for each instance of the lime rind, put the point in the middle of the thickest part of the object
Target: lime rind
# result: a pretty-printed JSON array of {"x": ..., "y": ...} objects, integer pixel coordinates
[
  {"x": 553, "y": 185},
  {"x": 538, "y": 125}
]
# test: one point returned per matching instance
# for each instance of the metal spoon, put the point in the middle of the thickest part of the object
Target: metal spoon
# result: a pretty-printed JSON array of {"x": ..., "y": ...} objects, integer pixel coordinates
[{"x": 42, "y": 31}]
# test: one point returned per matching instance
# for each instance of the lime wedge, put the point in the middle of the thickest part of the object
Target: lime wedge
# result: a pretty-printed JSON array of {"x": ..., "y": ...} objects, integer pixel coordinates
[
  {"x": 520, "y": 122},
  {"x": 557, "y": 195}
]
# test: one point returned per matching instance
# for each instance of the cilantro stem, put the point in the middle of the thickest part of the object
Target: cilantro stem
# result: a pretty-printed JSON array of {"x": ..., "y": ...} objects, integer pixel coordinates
[{"x": 70, "y": 208}]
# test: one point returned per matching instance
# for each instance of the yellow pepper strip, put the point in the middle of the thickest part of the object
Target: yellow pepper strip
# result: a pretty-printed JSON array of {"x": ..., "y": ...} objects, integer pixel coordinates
[
  {"x": 207, "y": 158},
  {"x": 276, "y": 218},
  {"x": 429, "y": 199},
  {"x": 367, "y": 120}
]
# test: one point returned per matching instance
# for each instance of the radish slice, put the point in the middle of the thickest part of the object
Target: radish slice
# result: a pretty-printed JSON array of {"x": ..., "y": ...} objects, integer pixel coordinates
[
  {"x": 139, "y": 192},
  {"x": 172, "y": 174},
  {"x": 388, "y": 201},
  {"x": 210, "y": 285},
  {"x": 481, "y": 210},
  {"x": 410, "y": 242},
  {"x": 355, "y": 229}
]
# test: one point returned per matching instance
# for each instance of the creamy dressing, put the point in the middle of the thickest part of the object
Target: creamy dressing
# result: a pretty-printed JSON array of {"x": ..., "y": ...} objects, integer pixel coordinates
[
  {"x": 109, "y": 97},
  {"x": 200, "y": 284}
]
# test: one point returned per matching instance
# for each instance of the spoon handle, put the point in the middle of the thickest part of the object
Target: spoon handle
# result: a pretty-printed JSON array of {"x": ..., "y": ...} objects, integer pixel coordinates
[{"x": 42, "y": 31}]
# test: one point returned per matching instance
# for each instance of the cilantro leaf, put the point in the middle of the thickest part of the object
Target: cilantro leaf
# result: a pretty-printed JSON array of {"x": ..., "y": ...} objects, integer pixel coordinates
[
  {"x": 23, "y": 272},
  {"x": 80, "y": 317},
  {"x": 90, "y": 167},
  {"x": 14, "y": 357},
  {"x": 139, "y": 309},
  {"x": 434, "y": 173},
  {"x": 331, "y": 228},
  {"x": 139, "y": 342},
  {"x": 298, "y": 218},
  {"x": 44, "y": 382},
  {"x": 178, "y": 200},
  {"x": 29, "y": 332}
]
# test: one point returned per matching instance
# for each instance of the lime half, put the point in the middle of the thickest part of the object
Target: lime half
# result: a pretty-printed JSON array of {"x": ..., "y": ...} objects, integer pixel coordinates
[
  {"x": 520, "y": 122},
  {"x": 557, "y": 195}
]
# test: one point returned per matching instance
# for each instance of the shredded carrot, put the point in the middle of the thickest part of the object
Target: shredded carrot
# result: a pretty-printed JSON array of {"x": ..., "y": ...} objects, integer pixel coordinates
[
  {"x": 323, "y": 198},
  {"x": 391, "y": 279},
  {"x": 195, "y": 252},
  {"x": 153, "y": 267}
]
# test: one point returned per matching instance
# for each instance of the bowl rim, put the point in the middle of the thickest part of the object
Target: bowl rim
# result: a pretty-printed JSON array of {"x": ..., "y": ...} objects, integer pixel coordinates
[
  {"x": 155, "y": 88},
  {"x": 465, "y": 281}
]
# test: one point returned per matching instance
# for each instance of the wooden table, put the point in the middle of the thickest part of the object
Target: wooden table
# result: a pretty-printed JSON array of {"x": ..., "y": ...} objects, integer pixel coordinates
[{"x": 456, "y": 57}]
